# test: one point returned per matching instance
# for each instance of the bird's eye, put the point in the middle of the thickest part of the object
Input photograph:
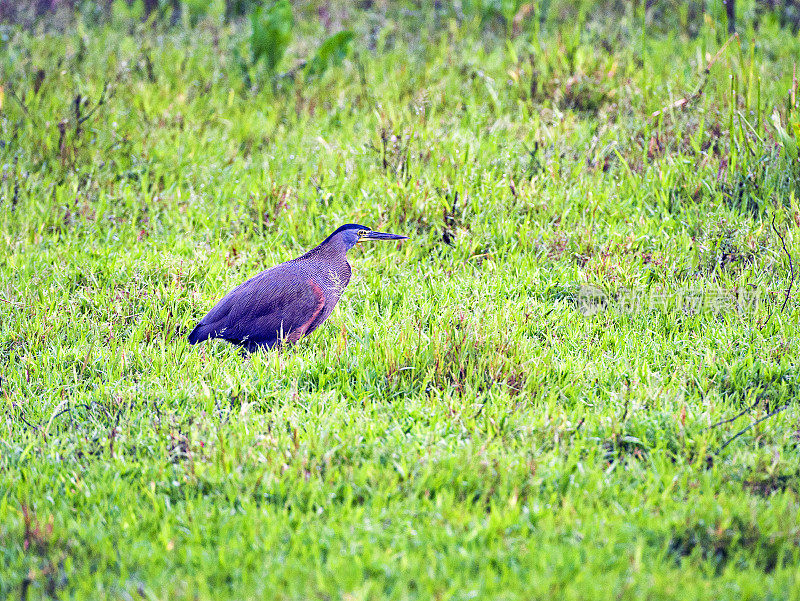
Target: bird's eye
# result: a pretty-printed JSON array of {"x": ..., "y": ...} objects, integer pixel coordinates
[{"x": 362, "y": 233}]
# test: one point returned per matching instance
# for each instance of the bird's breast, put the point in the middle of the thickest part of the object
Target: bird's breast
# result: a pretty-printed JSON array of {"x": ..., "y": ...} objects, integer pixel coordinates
[{"x": 331, "y": 276}]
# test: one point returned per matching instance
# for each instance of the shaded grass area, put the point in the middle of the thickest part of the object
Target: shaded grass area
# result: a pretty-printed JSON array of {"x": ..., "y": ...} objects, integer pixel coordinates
[{"x": 460, "y": 427}]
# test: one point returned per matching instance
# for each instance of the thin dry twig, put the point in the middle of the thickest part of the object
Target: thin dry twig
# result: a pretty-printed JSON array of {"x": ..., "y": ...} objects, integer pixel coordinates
[
  {"x": 66, "y": 410},
  {"x": 480, "y": 255},
  {"x": 755, "y": 423},
  {"x": 80, "y": 120},
  {"x": 21, "y": 104},
  {"x": 791, "y": 270},
  {"x": 70, "y": 409},
  {"x": 22, "y": 417},
  {"x": 685, "y": 101},
  {"x": 734, "y": 418}
]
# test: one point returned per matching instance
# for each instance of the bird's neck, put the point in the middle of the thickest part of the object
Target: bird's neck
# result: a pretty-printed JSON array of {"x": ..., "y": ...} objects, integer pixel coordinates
[{"x": 329, "y": 250}]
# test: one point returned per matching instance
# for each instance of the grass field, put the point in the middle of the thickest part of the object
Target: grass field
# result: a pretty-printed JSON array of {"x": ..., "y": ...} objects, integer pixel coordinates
[{"x": 465, "y": 425}]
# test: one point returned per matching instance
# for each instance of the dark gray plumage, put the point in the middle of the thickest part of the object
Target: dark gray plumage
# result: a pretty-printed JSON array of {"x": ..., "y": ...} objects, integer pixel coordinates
[{"x": 290, "y": 300}]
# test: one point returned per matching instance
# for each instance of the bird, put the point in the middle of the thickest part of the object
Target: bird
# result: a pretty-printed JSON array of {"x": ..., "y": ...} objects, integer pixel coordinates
[{"x": 290, "y": 300}]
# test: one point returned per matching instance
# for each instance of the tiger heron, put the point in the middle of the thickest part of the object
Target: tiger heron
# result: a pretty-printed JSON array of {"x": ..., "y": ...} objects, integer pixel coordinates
[{"x": 290, "y": 300}]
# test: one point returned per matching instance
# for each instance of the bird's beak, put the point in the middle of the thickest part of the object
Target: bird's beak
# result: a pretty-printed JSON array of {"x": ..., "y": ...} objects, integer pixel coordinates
[{"x": 381, "y": 236}]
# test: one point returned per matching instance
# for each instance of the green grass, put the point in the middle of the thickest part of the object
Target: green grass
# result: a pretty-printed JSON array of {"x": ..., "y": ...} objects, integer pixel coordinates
[{"x": 458, "y": 428}]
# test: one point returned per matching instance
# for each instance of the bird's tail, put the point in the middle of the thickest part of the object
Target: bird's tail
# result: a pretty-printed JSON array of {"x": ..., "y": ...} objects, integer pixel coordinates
[{"x": 198, "y": 334}]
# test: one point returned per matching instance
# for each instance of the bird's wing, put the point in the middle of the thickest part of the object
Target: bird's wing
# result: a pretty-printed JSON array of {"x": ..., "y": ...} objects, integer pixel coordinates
[{"x": 278, "y": 302}]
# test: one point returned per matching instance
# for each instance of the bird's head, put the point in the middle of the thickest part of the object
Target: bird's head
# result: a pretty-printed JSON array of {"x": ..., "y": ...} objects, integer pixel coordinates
[{"x": 351, "y": 234}]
